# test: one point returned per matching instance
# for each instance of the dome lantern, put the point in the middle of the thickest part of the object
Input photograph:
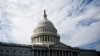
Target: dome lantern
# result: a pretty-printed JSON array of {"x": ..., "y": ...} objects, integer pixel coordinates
[{"x": 45, "y": 15}]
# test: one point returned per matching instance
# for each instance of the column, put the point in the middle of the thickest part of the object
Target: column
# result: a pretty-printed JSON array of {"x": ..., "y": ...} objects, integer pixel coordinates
[
  {"x": 44, "y": 52},
  {"x": 52, "y": 52},
  {"x": 34, "y": 40},
  {"x": 47, "y": 38},
  {"x": 76, "y": 54},
  {"x": 68, "y": 53},
  {"x": 37, "y": 53},
  {"x": 65, "y": 53},
  {"x": 48, "y": 52},
  {"x": 40, "y": 38},
  {"x": 51, "y": 38},
  {"x": 55, "y": 52},
  {"x": 62, "y": 53},
  {"x": 37, "y": 39},
  {"x": 33, "y": 52},
  {"x": 71, "y": 53},
  {"x": 59, "y": 53},
  {"x": 40, "y": 53},
  {"x": 44, "y": 37}
]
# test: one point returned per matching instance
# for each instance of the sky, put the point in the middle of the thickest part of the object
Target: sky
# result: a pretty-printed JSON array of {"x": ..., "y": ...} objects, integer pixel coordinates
[{"x": 77, "y": 21}]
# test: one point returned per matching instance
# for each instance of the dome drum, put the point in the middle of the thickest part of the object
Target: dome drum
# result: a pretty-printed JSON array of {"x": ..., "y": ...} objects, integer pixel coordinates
[
  {"x": 53, "y": 34},
  {"x": 45, "y": 39}
]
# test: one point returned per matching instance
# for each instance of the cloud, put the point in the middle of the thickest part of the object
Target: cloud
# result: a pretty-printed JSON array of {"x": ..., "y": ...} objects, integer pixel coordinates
[
  {"x": 94, "y": 45},
  {"x": 87, "y": 22},
  {"x": 5, "y": 26},
  {"x": 97, "y": 47},
  {"x": 75, "y": 20},
  {"x": 86, "y": 1},
  {"x": 73, "y": 31}
]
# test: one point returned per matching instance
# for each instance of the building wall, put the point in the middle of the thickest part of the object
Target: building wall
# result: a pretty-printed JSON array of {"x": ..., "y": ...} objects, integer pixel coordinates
[
  {"x": 87, "y": 53},
  {"x": 21, "y": 50},
  {"x": 14, "y": 51}
]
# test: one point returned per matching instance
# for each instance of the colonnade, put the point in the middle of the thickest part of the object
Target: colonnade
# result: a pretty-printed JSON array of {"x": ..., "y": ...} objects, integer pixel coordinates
[
  {"x": 45, "y": 38},
  {"x": 54, "y": 53}
]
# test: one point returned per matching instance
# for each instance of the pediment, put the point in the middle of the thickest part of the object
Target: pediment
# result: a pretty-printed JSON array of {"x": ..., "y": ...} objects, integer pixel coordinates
[{"x": 60, "y": 45}]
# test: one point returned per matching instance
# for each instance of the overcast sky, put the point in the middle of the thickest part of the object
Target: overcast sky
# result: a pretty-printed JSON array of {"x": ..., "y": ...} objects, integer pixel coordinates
[{"x": 77, "y": 21}]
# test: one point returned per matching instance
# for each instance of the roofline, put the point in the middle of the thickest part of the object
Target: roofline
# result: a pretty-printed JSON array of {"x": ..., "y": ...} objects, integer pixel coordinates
[{"x": 15, "y": 45}]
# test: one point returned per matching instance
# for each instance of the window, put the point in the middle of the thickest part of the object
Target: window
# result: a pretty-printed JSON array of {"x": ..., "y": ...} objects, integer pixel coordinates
[
  {"x": 26, "y": 52},
  {"x": 43, "y": 30},
  {"x": 1, "y": 55},
  {"x": 7, "y": 50},
  {"x": 14, "y": 51},
  {"x": 19, "y": 55},
  {"x": 1, "y": 50},
  {"x": 48, "y": 38},
  {"x": 20, "y": 51},
  {"x": 45, "y": 38}
]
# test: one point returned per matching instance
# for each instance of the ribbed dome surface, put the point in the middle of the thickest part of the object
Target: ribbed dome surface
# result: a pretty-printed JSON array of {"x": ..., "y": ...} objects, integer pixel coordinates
[
  {"x": 45, "y": 26},
  {"x": 45, "y": 22}
]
